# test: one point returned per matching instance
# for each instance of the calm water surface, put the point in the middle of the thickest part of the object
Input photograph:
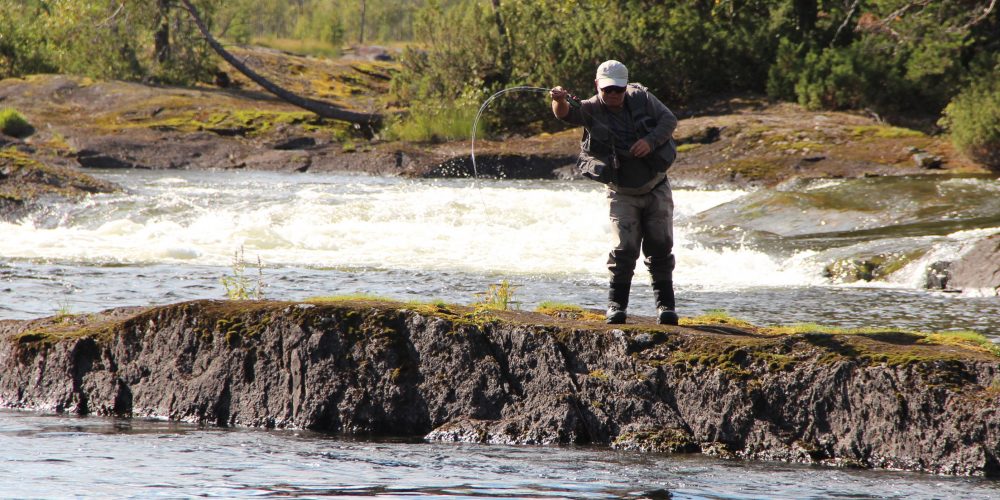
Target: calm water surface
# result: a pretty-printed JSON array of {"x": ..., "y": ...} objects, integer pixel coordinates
[{"x": 47, "y": 456}]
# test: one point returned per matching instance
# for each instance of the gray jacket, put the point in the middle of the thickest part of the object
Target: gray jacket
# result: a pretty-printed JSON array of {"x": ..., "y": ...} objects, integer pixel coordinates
[{"x": 603, "y": 156}]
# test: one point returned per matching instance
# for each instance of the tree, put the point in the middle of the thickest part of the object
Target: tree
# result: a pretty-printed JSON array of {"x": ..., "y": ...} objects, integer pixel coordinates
[{"x": 323, "y": 109}]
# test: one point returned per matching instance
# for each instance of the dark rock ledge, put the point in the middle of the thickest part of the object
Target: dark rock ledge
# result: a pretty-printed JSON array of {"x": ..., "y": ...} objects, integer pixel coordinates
[{"x": 888, "y": 400}]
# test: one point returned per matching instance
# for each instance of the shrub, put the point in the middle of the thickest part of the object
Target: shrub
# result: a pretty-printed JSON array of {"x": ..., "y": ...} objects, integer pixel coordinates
[
  {"x": 973, "y": 118},
  {"x": 861, "y": 75},
  {"x": 433, "y": 122},
  {"x": 14, "y": 124}
]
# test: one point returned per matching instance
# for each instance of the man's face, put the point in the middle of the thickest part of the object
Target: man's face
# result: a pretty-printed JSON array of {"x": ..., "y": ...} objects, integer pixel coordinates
[{"x": 612, "y": 96}]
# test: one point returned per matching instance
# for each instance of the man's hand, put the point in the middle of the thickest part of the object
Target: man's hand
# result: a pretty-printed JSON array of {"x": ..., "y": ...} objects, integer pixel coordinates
[
  {"x": 559, "y": 94},
  {"x": 640, "y": 148},
  {"x": 560, "y": 106}
]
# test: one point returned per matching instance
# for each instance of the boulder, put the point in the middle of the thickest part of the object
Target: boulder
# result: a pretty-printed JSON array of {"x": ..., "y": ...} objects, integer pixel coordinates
[{"x": 979, "y": 268}]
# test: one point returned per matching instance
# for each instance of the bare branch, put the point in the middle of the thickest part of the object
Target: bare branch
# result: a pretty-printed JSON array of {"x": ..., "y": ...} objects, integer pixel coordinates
[
  {"x": 976, "y": 20},
  {"x": 847, "y": 20},
  {"x": 105, "y": 23}
]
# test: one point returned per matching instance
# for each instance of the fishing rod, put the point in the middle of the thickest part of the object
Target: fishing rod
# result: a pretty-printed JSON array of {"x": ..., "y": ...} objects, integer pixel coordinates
[
  {"x": 475, "y": 123},
  {"x": 572, "y": 99}
]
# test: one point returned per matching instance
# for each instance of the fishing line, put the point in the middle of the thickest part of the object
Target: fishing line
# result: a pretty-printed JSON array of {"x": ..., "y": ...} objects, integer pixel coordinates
[
  {"x": 572, "y": 99},
  {"x": 475, "y": 123}
]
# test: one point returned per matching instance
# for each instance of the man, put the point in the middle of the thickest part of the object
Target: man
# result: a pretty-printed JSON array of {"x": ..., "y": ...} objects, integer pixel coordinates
[{"x": 627, "y": 144}]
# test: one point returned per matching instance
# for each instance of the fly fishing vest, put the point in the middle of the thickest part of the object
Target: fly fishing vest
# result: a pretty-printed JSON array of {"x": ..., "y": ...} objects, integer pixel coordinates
[{"x": 604, "y": 154}]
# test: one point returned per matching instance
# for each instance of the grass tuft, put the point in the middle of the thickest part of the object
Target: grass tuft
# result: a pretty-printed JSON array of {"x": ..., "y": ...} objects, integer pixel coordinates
[{"x": 14, "y": 124}]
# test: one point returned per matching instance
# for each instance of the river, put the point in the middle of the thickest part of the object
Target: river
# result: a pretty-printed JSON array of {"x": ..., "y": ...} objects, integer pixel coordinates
[
  {"x": 49, "y": 456},
  {"x": 172, "y": 235}
]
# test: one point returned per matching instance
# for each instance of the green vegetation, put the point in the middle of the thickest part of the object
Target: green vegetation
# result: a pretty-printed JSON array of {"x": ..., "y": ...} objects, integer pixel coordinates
[
  {"x": 885, "y": 132},
  {"x": 141, "y": 40},
  {"x": 434, "y": 122},
  {"x": 963, "y": 338},
  {"x": 889, "y": 56},
  {"x": 26, "y": 179},
  {"x": 893, "y": 57},
  {"x": 973, "y": 118},
  {"x": 239, "y": 286},
  {"x": 14, "y": 124},
  {"x": 498, "y": 297},
  {"x": 715, "y": 317}
]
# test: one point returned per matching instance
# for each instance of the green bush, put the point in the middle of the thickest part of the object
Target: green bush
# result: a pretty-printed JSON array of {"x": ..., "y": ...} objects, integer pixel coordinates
[
  {"x": 973, "y": 118},
  {"x": 14, "y": 124},
  {"x": 866, "y": 74},
  {"x": 434, "y": 122}
]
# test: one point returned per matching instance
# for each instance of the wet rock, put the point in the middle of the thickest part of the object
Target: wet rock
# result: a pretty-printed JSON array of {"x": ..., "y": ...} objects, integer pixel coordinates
[
  {"x": 928, "y": 161},
  {"x": 867, "y": 268},
  {"x": 938, "y": 275},
  {"x": 979, "y": 268},
  {"x": 517, "y": 378},
  {"x": 95, "y": 159},
  {"x": 704, "y": 135},
  {"x": 25, "y": 182},
  {"x": 295, "y": 143}
]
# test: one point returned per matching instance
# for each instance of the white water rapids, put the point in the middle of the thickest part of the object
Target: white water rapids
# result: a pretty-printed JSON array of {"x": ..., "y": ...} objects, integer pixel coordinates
[
  {"x": 364, "y": 222},
  {"x": 171, "y": 236}
]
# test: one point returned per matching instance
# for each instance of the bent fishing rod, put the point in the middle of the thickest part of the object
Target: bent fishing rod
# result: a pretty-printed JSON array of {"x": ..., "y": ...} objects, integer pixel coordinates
[{"x": 572, "y": 99}]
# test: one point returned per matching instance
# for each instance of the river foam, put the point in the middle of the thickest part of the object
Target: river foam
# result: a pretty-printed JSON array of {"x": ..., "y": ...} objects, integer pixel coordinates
[{"x": 535, "y": 228}]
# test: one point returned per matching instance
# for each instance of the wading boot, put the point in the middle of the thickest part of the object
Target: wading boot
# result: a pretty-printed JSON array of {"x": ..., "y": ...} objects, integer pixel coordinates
[
  {"x": 615, "y": 316},
  {"x": 617, "y": 303},
  {"x": 663, "y": 292}
]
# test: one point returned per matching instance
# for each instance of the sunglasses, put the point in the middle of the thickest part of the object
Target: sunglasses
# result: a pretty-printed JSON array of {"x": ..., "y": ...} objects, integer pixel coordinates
[{"x": 611, "y": 89}]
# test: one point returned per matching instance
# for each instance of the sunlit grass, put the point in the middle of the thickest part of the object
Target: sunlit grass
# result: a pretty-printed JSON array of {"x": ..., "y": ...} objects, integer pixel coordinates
[
  {"x": 302, "y": 47},
  {"x": 716, "y": 317},
  {"x": 433, "y": 123}
]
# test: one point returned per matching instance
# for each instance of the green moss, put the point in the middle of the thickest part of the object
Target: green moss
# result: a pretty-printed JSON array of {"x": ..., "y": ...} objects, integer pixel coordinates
[
  {"x": 684, "y": 148},
  {"x": 27, "y": 178},
  {"x": 884, "y": 132},
  {"x": 753, "y": 168},
  {"x": 870, "y": 268},
  {"x": 600, "y": 375},
  {"x": 962, "y": 338},
  {"x": 568, "y": 311},
  {"x": 250, "y": 123},
  {"x": 715, "y": 317}
]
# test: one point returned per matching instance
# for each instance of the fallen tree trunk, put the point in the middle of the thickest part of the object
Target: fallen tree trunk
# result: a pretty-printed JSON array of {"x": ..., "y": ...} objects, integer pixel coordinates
[{"x": 372, "y": 121}]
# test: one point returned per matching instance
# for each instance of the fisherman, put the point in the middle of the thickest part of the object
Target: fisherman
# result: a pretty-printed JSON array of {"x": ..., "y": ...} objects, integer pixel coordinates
[{"x": 628, "y": 145}]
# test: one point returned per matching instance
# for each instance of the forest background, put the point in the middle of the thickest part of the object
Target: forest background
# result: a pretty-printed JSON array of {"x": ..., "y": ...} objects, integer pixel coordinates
[{"x": 928, "y": 64}]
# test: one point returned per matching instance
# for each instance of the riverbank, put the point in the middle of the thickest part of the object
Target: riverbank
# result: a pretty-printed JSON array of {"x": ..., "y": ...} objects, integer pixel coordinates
[
  {"x": 741, "y": 141},
  {"x": 886, "y": 399}
]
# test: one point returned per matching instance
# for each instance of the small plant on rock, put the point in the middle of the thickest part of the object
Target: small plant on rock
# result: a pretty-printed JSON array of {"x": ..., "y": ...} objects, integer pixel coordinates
[
  {"x": 498, "y": 297},
  {"x": 239, "y": 286},
  {"x": 14, "y": 124}
]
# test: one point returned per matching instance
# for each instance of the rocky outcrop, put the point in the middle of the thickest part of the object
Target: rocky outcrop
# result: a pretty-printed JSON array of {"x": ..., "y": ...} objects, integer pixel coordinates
[
  {"x": 979, "y": 268},
  {"x": 894, "y": 400},
  {"x": 26, "y": 182}
]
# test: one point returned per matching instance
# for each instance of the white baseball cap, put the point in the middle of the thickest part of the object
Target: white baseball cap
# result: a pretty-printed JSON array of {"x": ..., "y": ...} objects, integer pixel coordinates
[{"x": 612, "y": 73}]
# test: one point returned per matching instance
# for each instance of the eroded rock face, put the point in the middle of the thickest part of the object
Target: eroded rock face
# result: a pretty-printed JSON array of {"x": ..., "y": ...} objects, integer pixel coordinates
[{"x": 521, "y": 378}]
